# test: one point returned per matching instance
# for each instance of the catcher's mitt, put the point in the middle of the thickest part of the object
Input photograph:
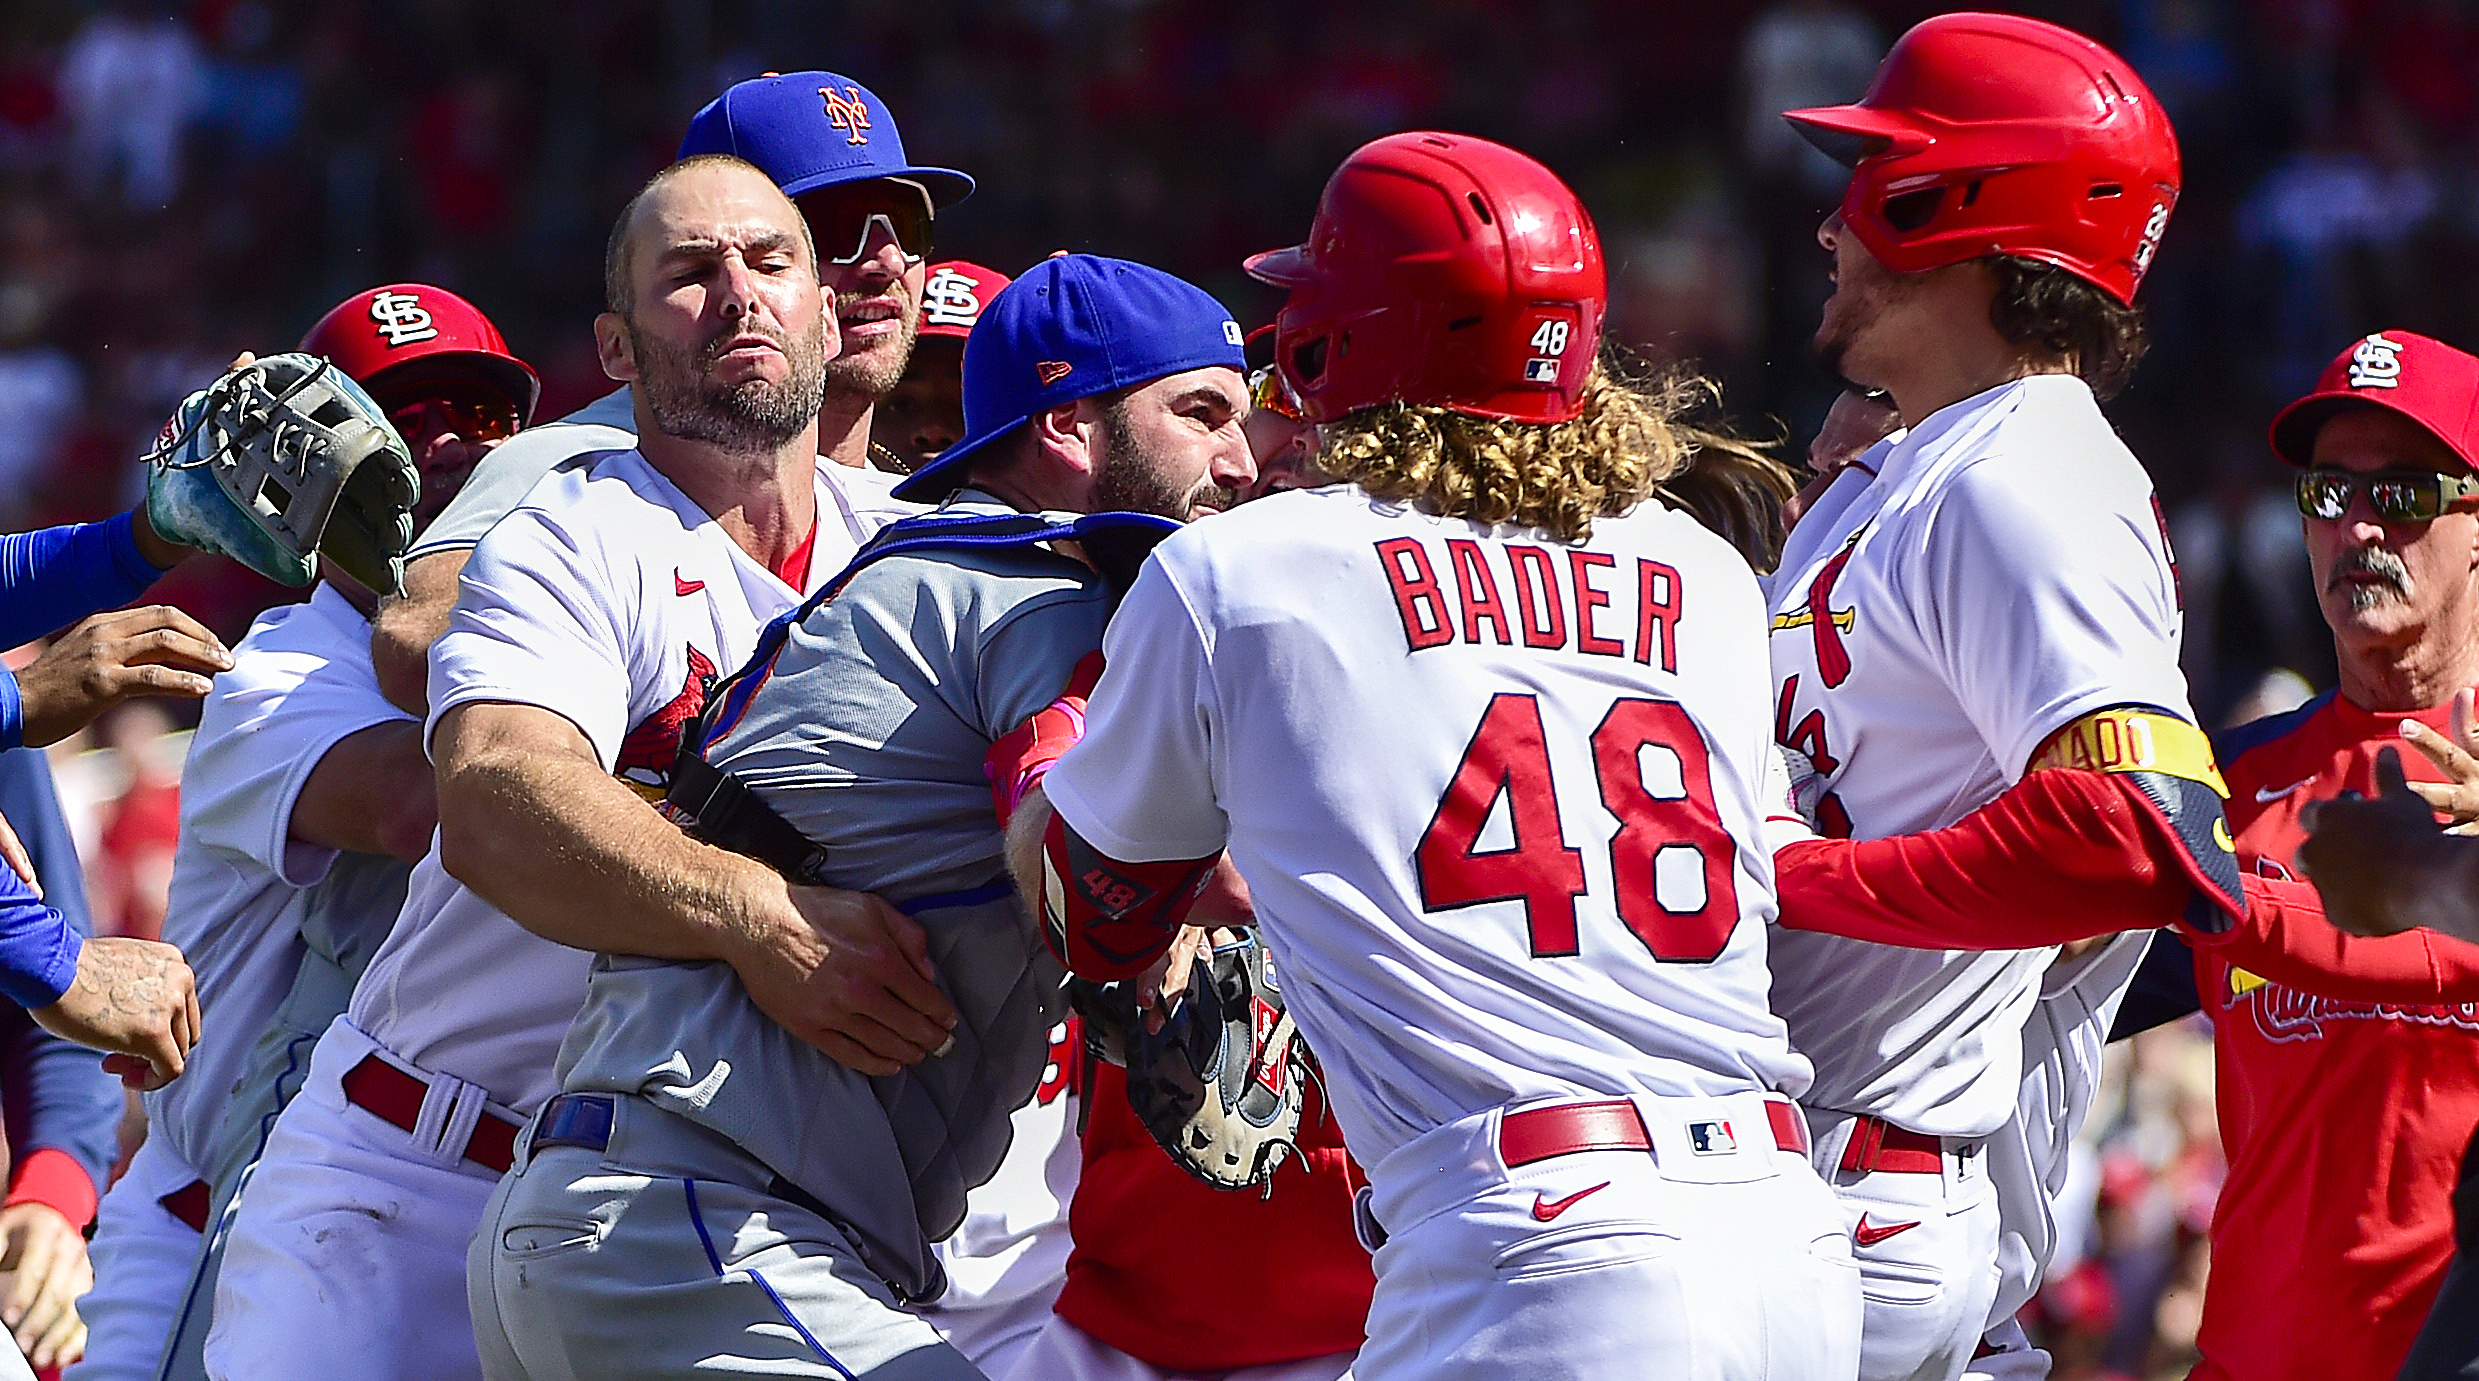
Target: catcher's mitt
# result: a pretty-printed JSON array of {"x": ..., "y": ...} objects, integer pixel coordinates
[
  {"x": 280, "y": 459},
  {"x": 1219, "y": 1084}
]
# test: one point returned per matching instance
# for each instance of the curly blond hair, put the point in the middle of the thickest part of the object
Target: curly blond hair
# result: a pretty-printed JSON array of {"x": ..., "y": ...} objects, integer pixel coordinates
[{"x": 1630, "y": 443}]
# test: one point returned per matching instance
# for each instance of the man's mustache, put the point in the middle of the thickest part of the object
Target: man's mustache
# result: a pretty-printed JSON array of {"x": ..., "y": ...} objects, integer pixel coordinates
[{"x": 2383, "y": 565}]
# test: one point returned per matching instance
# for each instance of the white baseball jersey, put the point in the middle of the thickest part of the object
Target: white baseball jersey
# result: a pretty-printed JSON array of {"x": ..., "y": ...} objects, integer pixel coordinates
[
  {"x": 1496, "y": 797},
  {"x": 300, "y": 684},
  {"x": 2002, "y": 573},
  {"x": 610, "y": 598}
]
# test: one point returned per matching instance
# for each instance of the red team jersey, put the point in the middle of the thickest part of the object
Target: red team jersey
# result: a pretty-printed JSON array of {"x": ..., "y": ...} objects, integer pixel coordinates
[
  {"x": 2344, "y": 1122},
  {"x": 1135, "y": 1279}
]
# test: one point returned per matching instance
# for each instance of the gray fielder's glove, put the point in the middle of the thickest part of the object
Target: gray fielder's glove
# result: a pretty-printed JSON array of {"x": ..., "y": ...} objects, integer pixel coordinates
[
  {"x": 281, "y": 459},
  {"x": 1219, "y": 1086}
]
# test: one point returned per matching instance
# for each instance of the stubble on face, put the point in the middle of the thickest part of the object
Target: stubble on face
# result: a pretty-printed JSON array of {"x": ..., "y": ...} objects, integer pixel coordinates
[
  {"x": 749, "y": 417},
  {"x": 1136, "y": 478},
  {"x": 870, "y": 372}
]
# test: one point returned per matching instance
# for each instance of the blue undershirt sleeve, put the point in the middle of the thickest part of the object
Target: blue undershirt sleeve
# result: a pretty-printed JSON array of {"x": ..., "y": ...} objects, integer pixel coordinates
[
  {"x": 53, "y": 1093},
  {"x": 57, "y": 575}
]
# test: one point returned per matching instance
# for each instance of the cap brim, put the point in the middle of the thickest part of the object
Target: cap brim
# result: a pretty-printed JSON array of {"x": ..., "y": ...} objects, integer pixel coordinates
[
  {"x": 2294, "y": 427},
  {"x": 946, "y": 186},
  {"x": 1284, "y": 268},
  {"x": 1848, "y": 133},
  {"x": 943, "y": 476}
]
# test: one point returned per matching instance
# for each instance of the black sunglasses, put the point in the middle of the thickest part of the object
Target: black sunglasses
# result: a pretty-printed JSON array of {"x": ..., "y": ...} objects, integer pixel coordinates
[
  {"x": 850, "y": 213},
  {"x": 2397, "y": 496}
]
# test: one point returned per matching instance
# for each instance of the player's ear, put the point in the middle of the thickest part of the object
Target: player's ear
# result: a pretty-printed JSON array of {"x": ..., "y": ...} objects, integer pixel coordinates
[
  {"x": 1070, "y": 436},
  {"x": 613, "y": 347}
]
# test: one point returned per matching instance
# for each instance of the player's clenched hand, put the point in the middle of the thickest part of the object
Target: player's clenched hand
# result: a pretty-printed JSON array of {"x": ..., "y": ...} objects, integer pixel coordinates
[
  {"x": 151, "y": 650},
  {"x": 44, "y": 1258},
  {"x": 852, "y": 976},
  {"x": 2458, "y": 758},
  {"x": 2382, "y": 865},
  {"x": 135, "y": 998}
]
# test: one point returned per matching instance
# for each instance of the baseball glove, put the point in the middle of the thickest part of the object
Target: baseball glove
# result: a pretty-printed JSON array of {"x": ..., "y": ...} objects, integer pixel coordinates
[
  {"x": 278, "y": 460},
  {"x": 1219, "y": 1086}
]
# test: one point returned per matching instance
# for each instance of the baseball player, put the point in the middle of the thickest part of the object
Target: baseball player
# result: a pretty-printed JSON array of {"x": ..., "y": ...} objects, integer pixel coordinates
[
  {"x": 1131, "y": 1311},
  {"x": 63, "y": 1112},
  {"x": 1524, "y": 928},
  {"x": 2359, "y": 1100},
  {"x": 1006, "y": 1261},
  {"x": 924, "y": 413},
  {"x": 305, "y": 801},
  {"x": 833, "y": 147},
  {"x": 591, "y": 623},
  {"x": 2000, "y": 576},
  {"x": 874, "y": 741}
]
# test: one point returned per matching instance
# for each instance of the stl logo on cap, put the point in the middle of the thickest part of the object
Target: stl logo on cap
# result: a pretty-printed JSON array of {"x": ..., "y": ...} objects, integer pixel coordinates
[
  {"x": 402, "y": 318},
  {"x": 2376, "y": 363},
  {"x": 847, "y": 112},
  {"x": 950, "y": 299}
]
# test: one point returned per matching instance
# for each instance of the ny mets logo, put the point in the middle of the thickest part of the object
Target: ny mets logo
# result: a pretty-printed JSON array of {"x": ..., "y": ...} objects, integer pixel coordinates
[
  {"x": 402, "y": 319},
  {"x": 2376, "y": 363},
  {"x": 950, "y": 299},
  {"x": 847, "y": 112},
  {"x": 2285, "y": 1014},
  {"x": 1833, "y": 660}
]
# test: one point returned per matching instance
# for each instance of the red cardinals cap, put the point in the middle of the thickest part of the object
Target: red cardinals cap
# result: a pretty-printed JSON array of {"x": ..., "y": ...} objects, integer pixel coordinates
[
  {"x": 409, "y": 335},
  {"x": 2427, "y": 381},
  {"x": 952, "y": 299}
]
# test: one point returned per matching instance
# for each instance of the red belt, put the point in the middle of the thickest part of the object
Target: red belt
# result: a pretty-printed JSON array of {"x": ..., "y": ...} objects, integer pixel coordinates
[
  {"x": 1877, "y": 1144},
  {"x": 1615, "y": 1125},
  {"x": 189, "y": 1204},
  {"x": 393, "y": 1096}
]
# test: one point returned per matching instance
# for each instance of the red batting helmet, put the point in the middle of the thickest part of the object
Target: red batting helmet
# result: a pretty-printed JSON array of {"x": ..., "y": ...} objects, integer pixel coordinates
[
  {"x": 1446, "y": 271},
  {"x": 410, "y": 336},
  {"x": 1994, "y": 134}
]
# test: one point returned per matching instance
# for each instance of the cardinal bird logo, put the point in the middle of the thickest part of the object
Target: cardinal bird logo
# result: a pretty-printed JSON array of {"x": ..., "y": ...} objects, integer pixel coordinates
[
  {"x": 646, "y": 755},
  {"x": 1829, "y": 625}
]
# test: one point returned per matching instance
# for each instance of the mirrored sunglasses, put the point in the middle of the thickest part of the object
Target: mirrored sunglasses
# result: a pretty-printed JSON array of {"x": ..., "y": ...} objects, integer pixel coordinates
[
  {"x": 477, "y": 418},
  {"x": 1266, "y": 391},
  {"x": 846, "y": 218},
  {"x": 2397, "y": 496}
]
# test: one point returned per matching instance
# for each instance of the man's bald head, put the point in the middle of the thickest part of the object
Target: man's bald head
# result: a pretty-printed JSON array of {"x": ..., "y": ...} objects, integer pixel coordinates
[{"x": 620, "y": 252}]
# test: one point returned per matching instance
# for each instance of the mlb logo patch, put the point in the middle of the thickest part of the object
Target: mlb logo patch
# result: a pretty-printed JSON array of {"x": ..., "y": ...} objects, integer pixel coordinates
[
  {"x": 1540, "y": 371},
  {"x": 1711, "y": 1139}
]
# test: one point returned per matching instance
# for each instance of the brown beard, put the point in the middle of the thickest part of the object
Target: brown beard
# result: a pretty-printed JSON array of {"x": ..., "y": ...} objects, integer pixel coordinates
[
  {"x": 748, "y": 417},
  {"x": 874, "y": 375}
]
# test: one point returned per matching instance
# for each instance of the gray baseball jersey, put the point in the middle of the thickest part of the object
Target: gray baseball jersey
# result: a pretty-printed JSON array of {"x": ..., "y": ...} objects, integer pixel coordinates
[{"x": 868, "y": 734}]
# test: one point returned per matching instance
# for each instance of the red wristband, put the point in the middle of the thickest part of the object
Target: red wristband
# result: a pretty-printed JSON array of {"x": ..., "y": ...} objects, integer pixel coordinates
[{"x": 53, "y": 1178}]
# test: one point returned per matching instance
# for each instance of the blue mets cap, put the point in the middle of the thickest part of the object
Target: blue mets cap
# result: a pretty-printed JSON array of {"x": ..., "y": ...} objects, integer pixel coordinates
[
  {"x": 808, "y": 130},
  {"x": 1073, "y": 326}
]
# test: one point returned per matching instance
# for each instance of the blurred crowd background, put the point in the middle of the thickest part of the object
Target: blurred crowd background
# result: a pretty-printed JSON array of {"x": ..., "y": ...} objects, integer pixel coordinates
[{"x": 182, "y": 181}]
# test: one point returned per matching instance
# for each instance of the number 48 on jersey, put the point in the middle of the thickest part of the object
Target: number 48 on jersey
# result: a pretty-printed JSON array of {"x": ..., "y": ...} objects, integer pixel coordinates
[{"x": 1676, "y": 830}]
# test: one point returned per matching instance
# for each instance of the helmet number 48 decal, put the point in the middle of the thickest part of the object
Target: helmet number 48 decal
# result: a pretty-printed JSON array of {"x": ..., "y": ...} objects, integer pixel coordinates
[{"x": 1550, "y": 339}]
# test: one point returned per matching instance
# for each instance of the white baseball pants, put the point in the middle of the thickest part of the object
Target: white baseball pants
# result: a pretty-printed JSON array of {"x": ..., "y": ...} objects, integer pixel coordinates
[
  {"x": 1926, "y": 1245},
  {"x": 347, "y": 1257},
  {"x": 1714, "y": 1256}
]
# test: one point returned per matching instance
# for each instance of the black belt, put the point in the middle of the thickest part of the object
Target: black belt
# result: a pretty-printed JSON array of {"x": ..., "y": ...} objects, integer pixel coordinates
[
  {"x": 583, "y": 1120},
  {"x": 721, "y": 809}
]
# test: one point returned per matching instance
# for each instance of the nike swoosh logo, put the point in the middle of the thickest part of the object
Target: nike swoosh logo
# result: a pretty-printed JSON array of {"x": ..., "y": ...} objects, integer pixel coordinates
[
  {"x": 1546, "y": 1208},
  {"x": 2262, "y": 796},
  {"x": 1867, "y": 1236},
  {"x": 682, "y": 585}
]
